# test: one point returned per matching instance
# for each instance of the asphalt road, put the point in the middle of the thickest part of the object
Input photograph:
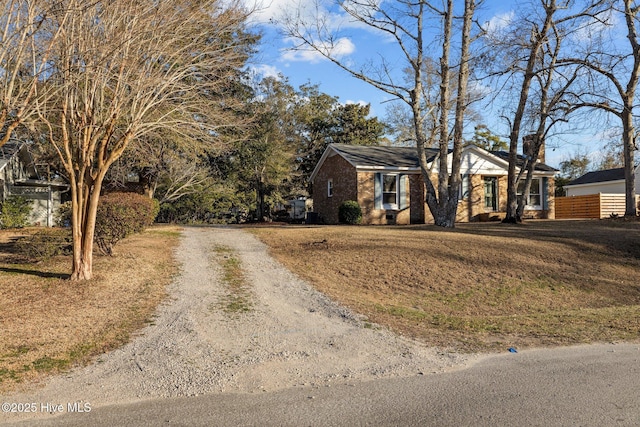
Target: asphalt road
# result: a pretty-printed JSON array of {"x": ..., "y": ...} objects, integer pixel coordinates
[{"x": 596, "y": 385}]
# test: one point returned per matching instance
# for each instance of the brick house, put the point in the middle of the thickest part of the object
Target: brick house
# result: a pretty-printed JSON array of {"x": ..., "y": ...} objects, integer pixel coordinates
[{"x": 387, "y": 184}]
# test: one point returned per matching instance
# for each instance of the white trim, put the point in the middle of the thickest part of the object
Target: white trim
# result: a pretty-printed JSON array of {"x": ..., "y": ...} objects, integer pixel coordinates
[
  {"x": 330, "y": 187},
  {"x": 596, "y": 183},
  {"x": 540, "y": 194},
  {"x": 388, "y": 169},
  {"x": 496, "y": 197},
  {"x": 391, "y": 206},
  {"x": 326, "y": 153}
]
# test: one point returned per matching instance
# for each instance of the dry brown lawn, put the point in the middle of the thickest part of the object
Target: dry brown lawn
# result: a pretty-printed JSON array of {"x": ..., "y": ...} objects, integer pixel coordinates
[
  {"x": 49, "y": 323},
  {"x": 479, "y": 287}
]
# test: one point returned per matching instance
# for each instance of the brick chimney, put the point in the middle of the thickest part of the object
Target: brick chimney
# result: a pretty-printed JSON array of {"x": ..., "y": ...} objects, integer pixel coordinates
[{"x": 528, "y": 145}]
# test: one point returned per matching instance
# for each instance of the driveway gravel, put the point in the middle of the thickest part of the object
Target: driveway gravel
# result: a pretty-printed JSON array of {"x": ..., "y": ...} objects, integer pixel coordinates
[{"x": 292, "y": 336}]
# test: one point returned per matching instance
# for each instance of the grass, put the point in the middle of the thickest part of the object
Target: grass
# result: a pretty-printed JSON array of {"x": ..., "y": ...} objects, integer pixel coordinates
[
  {"x": 238, "y": 299},
  {"x": 478, "y": 287},
  {"x": 50, "y": 324}
]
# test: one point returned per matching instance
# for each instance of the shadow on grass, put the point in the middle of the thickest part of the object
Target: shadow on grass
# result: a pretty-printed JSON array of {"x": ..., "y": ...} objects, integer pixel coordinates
[
  {"x": 43, "y": 274},
  {"x": 612, "y": 236}
]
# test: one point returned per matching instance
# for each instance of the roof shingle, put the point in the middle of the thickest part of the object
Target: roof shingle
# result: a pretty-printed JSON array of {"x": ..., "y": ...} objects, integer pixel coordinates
[
  {"x": 382, "y": 156},
  {"x": 405, "y": 157},
  {"x": 606, "y": 175}
]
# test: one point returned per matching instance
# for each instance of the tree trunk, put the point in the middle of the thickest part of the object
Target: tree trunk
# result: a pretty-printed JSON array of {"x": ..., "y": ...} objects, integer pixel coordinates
[
  {"x": 628, "y": 129},
  {"x": 629, "y": 165},
  {"x": 86, "y": 197},
  {"x": 538, "y": 38},
  {"x": 533, "y": 153},
  {"x": 454, "y": 184},
  {"x": 82, "y": 268},
  {"x": 443, "y": 200},
  {"x": 437, "y": 198},
  {"x": 259, "y": 203}
]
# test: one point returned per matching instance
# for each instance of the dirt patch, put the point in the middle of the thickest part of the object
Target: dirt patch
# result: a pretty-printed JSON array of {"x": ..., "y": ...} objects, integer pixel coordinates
[
  {"x": 50, "y": 324},
  {"x": 479, "y": 286}
]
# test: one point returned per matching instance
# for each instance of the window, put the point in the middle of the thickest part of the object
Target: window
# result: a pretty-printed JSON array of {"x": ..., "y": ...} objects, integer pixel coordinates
[
  {"x": 534, "y": 198},
  {"x": 491, "y": 193},
  {"x": 390, "y": 191},
  {"x": 330, "y": 187},
  {"x": 465, "y": 187}
]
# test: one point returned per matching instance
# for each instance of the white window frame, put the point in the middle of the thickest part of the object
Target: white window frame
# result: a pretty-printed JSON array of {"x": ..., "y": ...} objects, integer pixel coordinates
[
  {"x": 493, "y": 179},
  {"x": 330, "y": 187},
  {"x": 396, "y": 205},
  {"x": 539, "y": 194},
  {"x": 465, "y": 187}
]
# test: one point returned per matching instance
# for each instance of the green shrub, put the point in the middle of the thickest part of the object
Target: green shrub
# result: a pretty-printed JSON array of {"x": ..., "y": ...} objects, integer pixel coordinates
[
  {"x": 120, "y": 215},
  {"x": 45, "y": 243},
  {"x": 349, "y": 212},
  {"x": 15, "y": 212}
]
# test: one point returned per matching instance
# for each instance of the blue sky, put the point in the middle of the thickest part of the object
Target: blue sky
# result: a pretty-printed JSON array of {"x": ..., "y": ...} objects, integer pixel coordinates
[{"x": 359, "y": 44}]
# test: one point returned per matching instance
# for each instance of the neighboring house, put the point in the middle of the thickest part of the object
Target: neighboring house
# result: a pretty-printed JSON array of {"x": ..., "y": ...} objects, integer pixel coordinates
[
  {"x": 387, "y": 184},
  {"x": 19, "y": 177},
  {"x": 609, "y": 181},
  {"x": 598, "y": 194}
]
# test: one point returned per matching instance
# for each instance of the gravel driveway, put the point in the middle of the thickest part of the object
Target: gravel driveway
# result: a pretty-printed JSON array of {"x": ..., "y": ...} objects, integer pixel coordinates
[{"x": 293, "y": 336}]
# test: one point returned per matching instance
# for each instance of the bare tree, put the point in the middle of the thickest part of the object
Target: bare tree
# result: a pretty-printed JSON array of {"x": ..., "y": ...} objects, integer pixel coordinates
[
  {"x": 538, "y": 37},
  {"x": 615, "y": 73},
  {"x": 405, "y": 22},
  {"x": 545, "y": 87},
  {"x": 25, "y": 49},
  {"x": 125, "y": 69}
]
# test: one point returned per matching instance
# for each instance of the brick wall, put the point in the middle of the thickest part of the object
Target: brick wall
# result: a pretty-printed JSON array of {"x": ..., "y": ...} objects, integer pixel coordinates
[
  {"x": 471, "y": 207},
  {"x": 344, "y": 179},
  {"x": 371, "y": 215},
  {"x": 349, "y": 185},
  {"x": 417, "y": 205}
]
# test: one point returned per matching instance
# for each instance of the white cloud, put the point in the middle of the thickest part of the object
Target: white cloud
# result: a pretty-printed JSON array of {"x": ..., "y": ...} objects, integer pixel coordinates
[
  {"x": 361, "y": 102},
  {"x": 610, "y": 25},
  {"x": 341, "y": 48},
  {"x": 266, "y": 10},
  {"x": 301, "y": 55},
  {"x": 273, "y": 11},
  {"x": 264, "y": 70},
  {"x": 499, "y": 22}
]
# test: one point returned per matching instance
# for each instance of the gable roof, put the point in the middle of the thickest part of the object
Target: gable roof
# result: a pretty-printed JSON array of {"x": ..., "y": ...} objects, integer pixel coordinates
[
  {"x": 405, "y": 158},
  {"x": 16, "y": 148},
  {"x": 7, "y": 151},
  {"x": 606, "y": 175},
  {"x": 520, "y": 159},
  {"x": 376, "y": 156}
]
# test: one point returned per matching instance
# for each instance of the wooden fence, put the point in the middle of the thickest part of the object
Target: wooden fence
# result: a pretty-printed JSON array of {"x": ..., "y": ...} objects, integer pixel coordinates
[{"x": 591, "y": 206}]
